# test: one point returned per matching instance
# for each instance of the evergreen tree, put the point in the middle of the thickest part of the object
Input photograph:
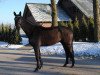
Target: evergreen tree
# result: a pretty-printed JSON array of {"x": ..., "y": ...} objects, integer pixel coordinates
[
  {"x": 9, "y": 34},
  {"x": 6, "y": 33},
  {"x": 91, "y": 29},
  {"x": 61, "y": 23},
  {"x": 83, "y": 29},
  {"x": 70, "y": 24},
  {"x": 2, "y": 32},
  {"x": 17, "y": 37},
  {"x": 76, "y": 30}
]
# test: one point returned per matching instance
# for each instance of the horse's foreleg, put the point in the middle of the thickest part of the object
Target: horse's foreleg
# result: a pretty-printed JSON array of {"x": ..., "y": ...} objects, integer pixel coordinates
[
  {"x": 38, "y": 58},
  {"x": 41, "y": 62}
]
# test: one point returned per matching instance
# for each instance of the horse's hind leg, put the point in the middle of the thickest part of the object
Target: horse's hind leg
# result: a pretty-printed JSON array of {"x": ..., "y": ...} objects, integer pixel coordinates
[
  {"x": 69, "y": 53},
  {"x": 66, "y": 54}
]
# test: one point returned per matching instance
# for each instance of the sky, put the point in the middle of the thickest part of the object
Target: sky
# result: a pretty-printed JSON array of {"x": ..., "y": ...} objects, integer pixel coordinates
[{"x": 7, "y": 7}]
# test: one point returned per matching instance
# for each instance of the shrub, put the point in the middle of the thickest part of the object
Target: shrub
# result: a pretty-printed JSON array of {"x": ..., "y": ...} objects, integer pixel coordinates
[{"x": 9, "y": 35}]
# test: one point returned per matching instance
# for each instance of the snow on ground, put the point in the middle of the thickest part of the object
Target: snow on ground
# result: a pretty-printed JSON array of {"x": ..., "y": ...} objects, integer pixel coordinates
[
  {"x": 4, "y": 45},
  {"x": 86, "y": 48},
  {"x": 80, "y": 48}
]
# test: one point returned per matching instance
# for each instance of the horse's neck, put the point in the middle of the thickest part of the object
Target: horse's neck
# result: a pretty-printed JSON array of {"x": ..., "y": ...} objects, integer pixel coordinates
[{"x": 27, "y": 28}]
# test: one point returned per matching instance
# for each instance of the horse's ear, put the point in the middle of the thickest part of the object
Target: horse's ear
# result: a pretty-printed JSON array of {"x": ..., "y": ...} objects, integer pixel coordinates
[
  {"x": 20, "y": 13},
  {"x": 14, "y": 13}
]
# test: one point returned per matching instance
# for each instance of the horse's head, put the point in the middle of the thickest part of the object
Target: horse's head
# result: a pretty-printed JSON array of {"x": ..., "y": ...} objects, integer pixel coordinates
[{"x": 17, "y": 19}]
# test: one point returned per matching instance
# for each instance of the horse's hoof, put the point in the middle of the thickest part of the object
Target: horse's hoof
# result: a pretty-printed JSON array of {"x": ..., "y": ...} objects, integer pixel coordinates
[
  {"x": 72, "y": 66},
  {"x": 36, "y": 70},
  {"x": 40, "y": 67},
  {"x": 65, "y": 65}
]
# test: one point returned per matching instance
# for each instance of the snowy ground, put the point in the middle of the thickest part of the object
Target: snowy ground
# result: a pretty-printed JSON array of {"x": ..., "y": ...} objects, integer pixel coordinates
[
  {"x": 80, "y": 48},
  {"x": 4, "y": 45}
]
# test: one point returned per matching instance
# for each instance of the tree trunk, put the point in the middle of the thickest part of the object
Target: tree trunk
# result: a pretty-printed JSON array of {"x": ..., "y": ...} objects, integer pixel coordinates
[
  {"x": 54, "y": 13},
  {"x": 96, "y": 20}
]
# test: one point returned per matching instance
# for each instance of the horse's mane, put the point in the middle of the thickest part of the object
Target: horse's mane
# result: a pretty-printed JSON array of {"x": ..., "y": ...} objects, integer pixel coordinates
[
  {"x": 39, "y": 26},
  {"x": 51, "y": 28}
]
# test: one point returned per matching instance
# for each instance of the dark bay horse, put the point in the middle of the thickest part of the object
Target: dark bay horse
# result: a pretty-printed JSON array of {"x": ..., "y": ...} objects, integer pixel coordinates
[{"x": 40, "y": 36}]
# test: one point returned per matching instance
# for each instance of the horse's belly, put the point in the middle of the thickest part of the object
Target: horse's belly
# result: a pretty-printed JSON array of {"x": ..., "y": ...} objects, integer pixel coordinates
[{"x": 50, "y": 41}]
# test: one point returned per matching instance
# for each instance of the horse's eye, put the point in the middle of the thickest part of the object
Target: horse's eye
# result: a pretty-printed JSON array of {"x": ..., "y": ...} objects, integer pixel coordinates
[{"x": 15, "y": 18}]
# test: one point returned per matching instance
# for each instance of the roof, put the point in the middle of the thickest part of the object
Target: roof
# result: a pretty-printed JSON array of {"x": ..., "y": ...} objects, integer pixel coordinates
[
  {"x": 86, "y": 6},
  {"x": 42, "y": 12}
]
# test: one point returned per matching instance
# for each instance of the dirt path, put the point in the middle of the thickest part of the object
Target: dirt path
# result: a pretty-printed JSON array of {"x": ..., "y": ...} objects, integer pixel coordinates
[{"x": 22, "y": 62}]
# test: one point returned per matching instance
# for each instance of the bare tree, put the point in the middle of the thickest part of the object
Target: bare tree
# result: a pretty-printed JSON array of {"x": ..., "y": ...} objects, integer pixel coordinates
[{"x": 54, "y": 13}]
